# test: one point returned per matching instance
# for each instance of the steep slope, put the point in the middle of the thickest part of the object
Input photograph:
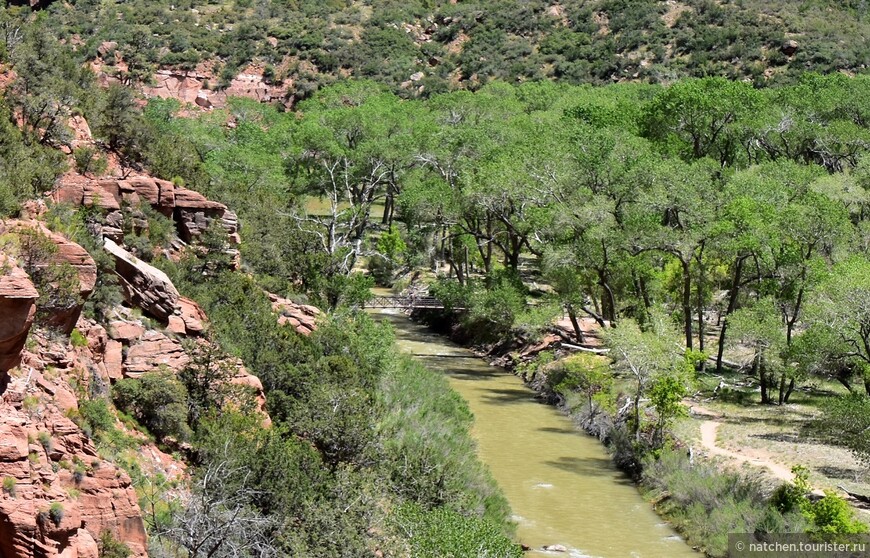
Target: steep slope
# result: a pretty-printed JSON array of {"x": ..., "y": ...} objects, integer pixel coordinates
[{"x": 272, "y": 50}]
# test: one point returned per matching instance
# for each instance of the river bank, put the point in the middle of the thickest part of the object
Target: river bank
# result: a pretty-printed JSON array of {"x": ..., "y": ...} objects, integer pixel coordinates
[
  {"x": 562, "y": 486},
  {"x": 703, "y": 498}
]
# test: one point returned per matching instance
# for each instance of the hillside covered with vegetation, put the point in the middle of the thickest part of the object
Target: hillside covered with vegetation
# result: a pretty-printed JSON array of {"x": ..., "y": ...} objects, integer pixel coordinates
[
  {"x": 448, "y": 45},
  {"x": 695, "y": 216}
]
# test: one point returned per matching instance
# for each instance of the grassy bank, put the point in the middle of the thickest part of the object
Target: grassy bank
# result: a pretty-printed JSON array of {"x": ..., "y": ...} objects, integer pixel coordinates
[{"x": 705, "y": 500}]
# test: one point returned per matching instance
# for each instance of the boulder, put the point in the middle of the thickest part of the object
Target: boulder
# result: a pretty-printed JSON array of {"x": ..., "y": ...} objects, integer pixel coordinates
[
  {"x": 153, "y": 350},
  {"x": 789, "y": 47},
  {"x": 121, "y": 330},
  {"x": 18, "y": 307},
  {"x": 202, "y": 100},
  {"x": 248, "y": 380},
  {"x": 144, "y": 285},
  {"x": 193, "y": 316},
  {"x": 106, "y": 47},
  {"x": 301, "y": 317}
]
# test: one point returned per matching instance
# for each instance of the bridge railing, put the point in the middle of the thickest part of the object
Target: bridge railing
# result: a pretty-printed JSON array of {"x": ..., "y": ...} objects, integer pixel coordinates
[{"x": 402, "y": 301}]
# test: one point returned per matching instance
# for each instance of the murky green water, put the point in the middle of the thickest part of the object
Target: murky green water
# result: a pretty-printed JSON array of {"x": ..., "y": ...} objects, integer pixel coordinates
[{"x": 560, "y": 483}]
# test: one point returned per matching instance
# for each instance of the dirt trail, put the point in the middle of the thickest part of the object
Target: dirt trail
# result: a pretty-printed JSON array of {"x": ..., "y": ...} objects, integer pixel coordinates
[{"x": 710, "y": 429}]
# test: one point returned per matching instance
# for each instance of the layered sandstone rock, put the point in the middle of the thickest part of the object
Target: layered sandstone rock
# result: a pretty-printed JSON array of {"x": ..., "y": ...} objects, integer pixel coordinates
[
  {"x": 17, "y": 308},
  {"x": 70, "y": 253},
  {"x": 45, "y": 473},
  {"x": 189, "y": 87},
  {"x": 144, "y": 285},
  {"x": 153, "y": 351},
  {"x": 191, "y": 211},
  {"x": 301, "y": 317}
]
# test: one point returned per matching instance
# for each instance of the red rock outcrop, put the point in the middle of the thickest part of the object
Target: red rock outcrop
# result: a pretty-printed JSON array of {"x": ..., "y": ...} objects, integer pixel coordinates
[
  {"x": 152, "y": 351},
  {"x": 17, "y": 307},
  {"x": 248, "y": 380},
  {"x": 192, "y": 315},
  {"x": 189, "y": 87},
  {"x": 301, "y": 317},
  {"x": 191, "y": 211},
  {"x": 70, "y": 253},
  {"x": 144, "y": 285},
  {"x": 61, "y": 470}
]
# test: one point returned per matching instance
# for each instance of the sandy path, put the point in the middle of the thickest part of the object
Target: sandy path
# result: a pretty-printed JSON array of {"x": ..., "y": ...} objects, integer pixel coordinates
[{"x": 709, "y": 431}]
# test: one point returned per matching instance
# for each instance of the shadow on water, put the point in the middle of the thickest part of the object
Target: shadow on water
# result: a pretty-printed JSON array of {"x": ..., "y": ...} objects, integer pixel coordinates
[
  {"x": 507, "y": 395},
  {"x": 555, "y": 430},
  {"x": 590, "y": 467}
]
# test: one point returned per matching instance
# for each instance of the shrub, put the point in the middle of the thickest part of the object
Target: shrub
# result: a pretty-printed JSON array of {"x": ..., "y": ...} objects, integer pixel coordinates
[
  {"x": 706, "y": 504},
  {"x": 45, "y": 439},
  {"x": 9, "y": 486},
  {"x": 88, "y": 160},
  {"x": 830, "y": 515},
  {"x": 110, "y": 547},
  {"x": 55, "y": 513},
  {"x": 79, "y": 473},
  {"x": 96, "y": 415},
  {"x": 158, "y": 401},
  {"x": 443, "y": 532},
  {"x": 77, "y": 339}
]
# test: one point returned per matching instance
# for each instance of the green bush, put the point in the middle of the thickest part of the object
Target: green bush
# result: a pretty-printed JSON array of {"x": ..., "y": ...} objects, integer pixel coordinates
[
  {"x": 9, "y": 486},
  {"x": 829, "y": 516},
  {"x": 77, "y": 339},
  {"x": 45, "y": 440},
  {"x": 55, "y": 513},
  {"x": 441, "y": 532},
  {"x": 110, "y": 547},
  {"x": 88, "y": 160},
  {"x": 158, "y": 401},
  {"x": 706, "y": 504}
]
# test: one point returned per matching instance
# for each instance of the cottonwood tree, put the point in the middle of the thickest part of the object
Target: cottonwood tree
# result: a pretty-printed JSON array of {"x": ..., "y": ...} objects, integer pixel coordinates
[
  {"x": 838, "y": 315},
  {"x": 760, "y": 328},
  {"x": 656, "y": 364},
  {"x": 698, "y": 118},
  {"x": 348, "y": 155}
]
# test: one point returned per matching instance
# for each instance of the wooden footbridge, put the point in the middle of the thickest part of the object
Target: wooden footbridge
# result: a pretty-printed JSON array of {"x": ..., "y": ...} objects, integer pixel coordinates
[{"x": 405, "y": 302}]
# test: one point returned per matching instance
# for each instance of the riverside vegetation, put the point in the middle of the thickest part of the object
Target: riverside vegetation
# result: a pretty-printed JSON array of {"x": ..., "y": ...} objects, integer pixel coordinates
[{"x": 733, "y": 214}]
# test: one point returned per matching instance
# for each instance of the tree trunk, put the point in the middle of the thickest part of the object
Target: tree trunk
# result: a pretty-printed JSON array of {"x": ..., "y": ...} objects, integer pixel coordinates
[
  {"x": 782, "y": 378},
  {"x": 789, "y": 330},
  {"x": 572, "y": 314},
  {"x": 387, "y": 217},
  {"x": 700, "y": 303},
  {"x": 687, "y": 302},
  {"x": 790, "y": 389},
  {"x": 732, "y": 305},
  {"x": 762, "y": 379}
]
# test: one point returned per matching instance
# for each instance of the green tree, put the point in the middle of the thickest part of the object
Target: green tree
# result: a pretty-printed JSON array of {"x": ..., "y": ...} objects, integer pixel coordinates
[{"x": 158, "y": 401}]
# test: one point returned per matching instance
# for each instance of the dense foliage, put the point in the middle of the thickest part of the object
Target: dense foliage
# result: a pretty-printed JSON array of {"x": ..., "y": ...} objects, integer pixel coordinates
[
  {"x": 467, "y": 44},
  {"x": 705, "y": 204}
]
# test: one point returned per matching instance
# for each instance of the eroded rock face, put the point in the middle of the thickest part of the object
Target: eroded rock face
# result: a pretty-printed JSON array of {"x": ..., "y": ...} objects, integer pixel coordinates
[
  {"x": 17, "y": 308},
  {"x": 62, "y": 459},
  {"x": 144, "y": 285},
  {"x": 68, "y": 252},
  {"x": 301, "y": 317},
  {"x": 152, "y": 351},
  {"x": 188, "y": 87},
  {"x": 191, "y": 211}
]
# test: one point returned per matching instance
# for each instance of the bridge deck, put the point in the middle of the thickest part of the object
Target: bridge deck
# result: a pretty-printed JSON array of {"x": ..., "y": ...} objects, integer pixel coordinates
[{"x": 399, "y": 301}]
